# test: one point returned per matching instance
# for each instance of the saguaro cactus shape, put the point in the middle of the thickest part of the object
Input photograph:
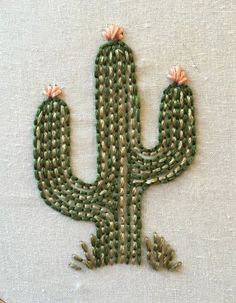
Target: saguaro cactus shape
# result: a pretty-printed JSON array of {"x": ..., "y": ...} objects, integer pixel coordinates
[{"x": 125, "y": 169}]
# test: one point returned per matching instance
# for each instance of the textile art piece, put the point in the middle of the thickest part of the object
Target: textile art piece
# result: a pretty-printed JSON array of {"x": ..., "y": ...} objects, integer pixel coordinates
[{"x": 125, "y": 169}]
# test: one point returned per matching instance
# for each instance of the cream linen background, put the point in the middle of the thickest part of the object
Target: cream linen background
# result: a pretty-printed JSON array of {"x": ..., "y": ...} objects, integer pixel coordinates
[{"x": 56, "y": 41}]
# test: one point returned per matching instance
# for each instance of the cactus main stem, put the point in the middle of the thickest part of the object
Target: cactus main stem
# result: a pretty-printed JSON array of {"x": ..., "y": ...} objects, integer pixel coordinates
[
  {"x": 124, "y": 167},
  {"x": 114, "y": 97}
]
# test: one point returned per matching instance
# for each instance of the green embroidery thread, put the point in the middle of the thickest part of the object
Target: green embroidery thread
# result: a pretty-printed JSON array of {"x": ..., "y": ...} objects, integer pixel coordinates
[{"x": 125, "y": 169}]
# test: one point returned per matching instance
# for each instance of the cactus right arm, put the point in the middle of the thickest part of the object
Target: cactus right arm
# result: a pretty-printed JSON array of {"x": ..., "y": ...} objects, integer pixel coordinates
[
  {"x": 59, "y": 188},
  {"x": 177, "y": 139},
  {"x": 177, "y": 142}
]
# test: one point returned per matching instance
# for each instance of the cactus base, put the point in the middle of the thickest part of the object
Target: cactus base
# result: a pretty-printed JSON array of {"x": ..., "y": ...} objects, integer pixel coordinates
[{"x": 160, "y": 255}]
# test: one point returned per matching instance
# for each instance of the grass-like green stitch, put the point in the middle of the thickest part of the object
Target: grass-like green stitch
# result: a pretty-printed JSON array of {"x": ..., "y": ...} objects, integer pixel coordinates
[{"x": 125, "y": 169}]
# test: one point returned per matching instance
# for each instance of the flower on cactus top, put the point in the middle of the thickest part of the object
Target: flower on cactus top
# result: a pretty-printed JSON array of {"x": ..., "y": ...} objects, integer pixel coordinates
[
  {"x": 177, "y": 74},
  {"x": 113, "y": 32},
  {"x": 52, "y": 91}
]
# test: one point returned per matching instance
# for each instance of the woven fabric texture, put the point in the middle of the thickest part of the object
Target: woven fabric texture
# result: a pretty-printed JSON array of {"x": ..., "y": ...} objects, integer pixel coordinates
[{"x": 49, "y": 41}]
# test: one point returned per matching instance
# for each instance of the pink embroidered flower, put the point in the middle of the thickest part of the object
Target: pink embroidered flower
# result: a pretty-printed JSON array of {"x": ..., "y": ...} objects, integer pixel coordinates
[
  {"x": 177, "y": 74},
  {"x": 113, "y": 32},
  {"x": 52, "y": 91}
]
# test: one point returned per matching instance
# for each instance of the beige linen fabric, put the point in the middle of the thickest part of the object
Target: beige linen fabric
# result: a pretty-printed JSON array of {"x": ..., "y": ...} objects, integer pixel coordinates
[{"x": 57, "y": 41}]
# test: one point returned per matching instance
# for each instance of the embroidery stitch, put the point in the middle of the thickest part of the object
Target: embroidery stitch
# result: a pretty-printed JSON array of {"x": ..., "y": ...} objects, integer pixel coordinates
[{"x": 125, "y": 169}]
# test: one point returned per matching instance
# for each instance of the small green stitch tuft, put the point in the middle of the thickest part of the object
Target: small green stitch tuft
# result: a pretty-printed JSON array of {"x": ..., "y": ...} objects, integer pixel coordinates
[
  {"x": 160, "y": 254},
  {"x": 125, "y": 169}
]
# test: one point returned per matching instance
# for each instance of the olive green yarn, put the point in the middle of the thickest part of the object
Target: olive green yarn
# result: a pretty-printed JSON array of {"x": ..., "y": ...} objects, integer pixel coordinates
[{"x": 125, "y": 169}]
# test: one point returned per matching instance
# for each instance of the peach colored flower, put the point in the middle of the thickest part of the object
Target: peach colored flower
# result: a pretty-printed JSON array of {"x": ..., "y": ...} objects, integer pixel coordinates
[
  {"x": 177, "y": 74},
  {"x": 113, "y": 33},
  {"x": 52, "y": 91}
]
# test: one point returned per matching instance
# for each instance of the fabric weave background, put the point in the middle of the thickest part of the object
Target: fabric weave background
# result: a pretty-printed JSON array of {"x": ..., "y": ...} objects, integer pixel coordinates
[{"x": 51, "y": 41}]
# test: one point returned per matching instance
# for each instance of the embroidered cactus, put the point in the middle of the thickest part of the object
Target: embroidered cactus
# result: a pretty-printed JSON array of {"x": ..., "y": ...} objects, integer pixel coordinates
[{"x": 125, "y": 169}]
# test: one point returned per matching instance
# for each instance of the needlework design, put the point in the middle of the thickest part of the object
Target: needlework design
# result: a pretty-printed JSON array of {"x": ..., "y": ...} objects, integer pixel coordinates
[{"x": 125, "y": 168}]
